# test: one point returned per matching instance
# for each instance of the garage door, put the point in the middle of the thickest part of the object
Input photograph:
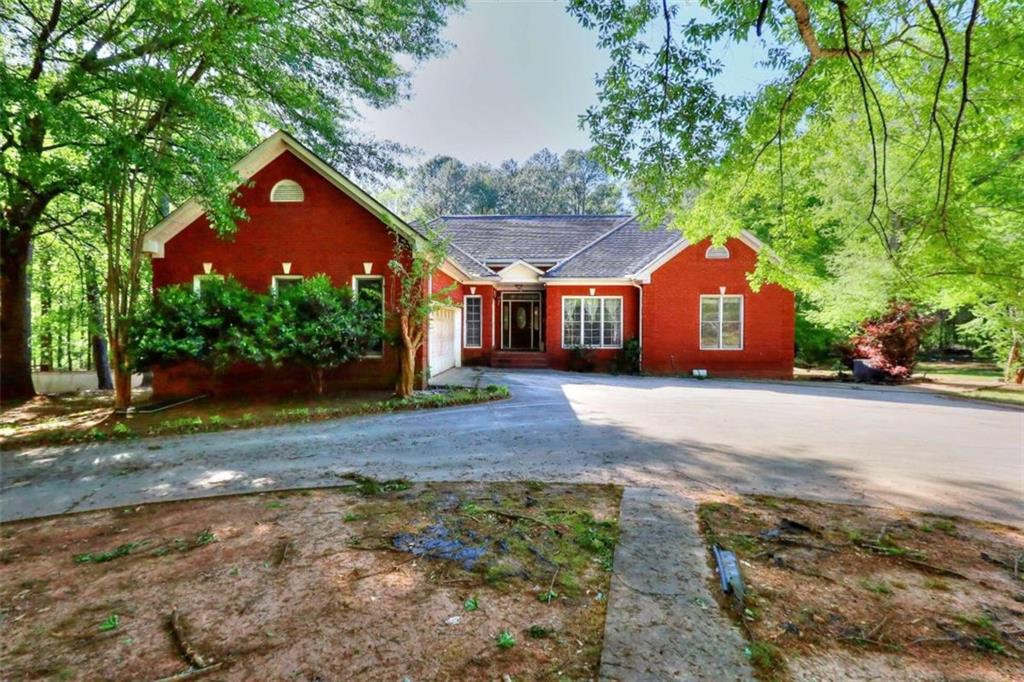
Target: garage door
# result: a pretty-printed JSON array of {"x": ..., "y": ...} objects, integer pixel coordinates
[{"x": 444, "y": 339}]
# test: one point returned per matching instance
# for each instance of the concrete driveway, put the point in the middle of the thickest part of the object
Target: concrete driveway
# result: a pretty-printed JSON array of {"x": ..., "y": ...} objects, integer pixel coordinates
[{"x": 871, "y": 445}]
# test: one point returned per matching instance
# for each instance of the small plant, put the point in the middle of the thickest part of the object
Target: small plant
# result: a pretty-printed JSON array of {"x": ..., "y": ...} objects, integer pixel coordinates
[
  {"x": 216, "y": 420},
  {"x": 936, "y": 584},
  {"x": 989, "y": 644},
  {"x": 547, "y": 597},
  {"x": 274, "y": 505},
  {"x": 538, "y": 632},
  {"x": 470, "y": 508},
  {"x": 111, "y": 623},
  {"x": 876, "y": 586},
  {"x": 205, "y": 537},
  {"x": 945, "y": 525},
  {"x": 96, "y": 434},
  {"x": 470, "y": 605},
  {"x": 765, "y": 657},
  {"x": 505, "y": 640},
  {"x": 371, "y": 487},
  {"x": 122, "y": 430},
  {"x": 109, "y": 555}
]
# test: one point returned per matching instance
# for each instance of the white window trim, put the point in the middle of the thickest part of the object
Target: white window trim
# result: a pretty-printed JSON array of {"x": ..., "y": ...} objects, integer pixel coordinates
[
  {"x": 717, "y": 253},
  {"x": 197, "y": 279},
  {"x": 277, "y": 278},
  {"x": 465, "y": 322},
  {"x": 622, "y": 315},
  {"x": 383, "y": 308},
  {"x": 721, "y": 302},
  {"x": 277, "y": 184}
]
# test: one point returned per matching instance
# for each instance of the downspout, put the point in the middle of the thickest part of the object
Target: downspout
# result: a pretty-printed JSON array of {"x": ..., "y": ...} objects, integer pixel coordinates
[{"x": 640, "y": 326}]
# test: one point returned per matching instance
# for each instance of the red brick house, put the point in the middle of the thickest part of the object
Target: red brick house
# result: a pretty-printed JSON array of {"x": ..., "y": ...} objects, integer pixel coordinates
[{"x": 530, "y": 291}]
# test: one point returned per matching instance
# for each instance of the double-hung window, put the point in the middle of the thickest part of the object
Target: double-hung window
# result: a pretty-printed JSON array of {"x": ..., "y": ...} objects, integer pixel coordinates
[
  {"x": 371, "y": 287},
  {"x": 472, "y": 307},
  {"x": 199, "y": 280},
  {"x": 592, "y": 321},
  {"x": 721, "y": 322},
  {"x": 281, "y": 282}
]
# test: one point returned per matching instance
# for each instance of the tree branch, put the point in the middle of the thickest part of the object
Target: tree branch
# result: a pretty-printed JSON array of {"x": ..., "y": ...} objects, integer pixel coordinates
[{"x": 964, "y": 99}]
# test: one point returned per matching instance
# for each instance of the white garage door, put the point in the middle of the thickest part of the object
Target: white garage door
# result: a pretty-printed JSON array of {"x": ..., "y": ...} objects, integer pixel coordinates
[{"x": 444, "y": 340}]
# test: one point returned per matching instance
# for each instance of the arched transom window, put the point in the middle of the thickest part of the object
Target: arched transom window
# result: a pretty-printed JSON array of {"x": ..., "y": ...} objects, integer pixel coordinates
[
  {"x": 717, "y": 253},
  {"x": 287, "y": 191}
]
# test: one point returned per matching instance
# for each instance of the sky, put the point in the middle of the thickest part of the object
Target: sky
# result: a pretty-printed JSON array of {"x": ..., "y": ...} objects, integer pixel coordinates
[{"x": 516, "y": 79}]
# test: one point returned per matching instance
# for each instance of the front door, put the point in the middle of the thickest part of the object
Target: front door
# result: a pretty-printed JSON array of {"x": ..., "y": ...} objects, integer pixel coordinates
[
  {"x": 520, "y": 322},
  {"x": 521, "y": 319}
]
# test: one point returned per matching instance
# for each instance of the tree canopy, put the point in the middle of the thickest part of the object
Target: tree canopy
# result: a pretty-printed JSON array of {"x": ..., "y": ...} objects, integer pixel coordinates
[
  {"x": 98, "y": 94},
  {"x": 881, "y": 159},
  {"x": 544, "y": 184}
]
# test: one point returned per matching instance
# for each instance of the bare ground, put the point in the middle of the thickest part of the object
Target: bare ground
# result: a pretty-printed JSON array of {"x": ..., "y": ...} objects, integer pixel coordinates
[
  {"x": 865, "y": 593},
  {"x": 310, "y": 585}
]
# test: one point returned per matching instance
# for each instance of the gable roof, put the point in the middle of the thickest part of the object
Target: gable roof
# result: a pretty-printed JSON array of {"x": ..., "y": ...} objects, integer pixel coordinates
[
  {"x": 533, "y": 238},
  {"x": 262, "y": 154}
]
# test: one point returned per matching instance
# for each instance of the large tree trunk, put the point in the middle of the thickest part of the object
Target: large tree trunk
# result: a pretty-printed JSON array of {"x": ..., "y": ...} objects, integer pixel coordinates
[
  {"x": 15, "y": 313},
  {"x": 97, "y": 340},
  {"x": 121, "y": 366},
  {"x": 407, "y": 378}
]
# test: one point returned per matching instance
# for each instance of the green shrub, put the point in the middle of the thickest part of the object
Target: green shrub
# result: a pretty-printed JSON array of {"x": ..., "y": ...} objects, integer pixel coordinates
[
  {"x": 320, "y": 327},
  {"x": 224, "y": 324}
]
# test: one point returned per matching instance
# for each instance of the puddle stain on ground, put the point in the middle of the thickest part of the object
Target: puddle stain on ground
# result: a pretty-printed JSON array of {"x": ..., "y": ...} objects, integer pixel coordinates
[{"x": 438, "y": 542}]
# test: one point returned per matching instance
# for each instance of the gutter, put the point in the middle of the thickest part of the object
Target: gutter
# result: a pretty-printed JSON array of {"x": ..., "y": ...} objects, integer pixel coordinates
[{"x": 640, "y": 314}]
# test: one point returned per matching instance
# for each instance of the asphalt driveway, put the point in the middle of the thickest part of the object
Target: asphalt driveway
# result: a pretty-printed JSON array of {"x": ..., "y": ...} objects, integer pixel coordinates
[{"x": 880, "y": 446}]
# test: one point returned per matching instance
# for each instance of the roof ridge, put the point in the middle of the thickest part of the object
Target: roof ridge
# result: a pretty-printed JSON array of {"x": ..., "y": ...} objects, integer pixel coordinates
[
  {"x": 568, "y": 258},
  {"x": 532, "y": 215}
]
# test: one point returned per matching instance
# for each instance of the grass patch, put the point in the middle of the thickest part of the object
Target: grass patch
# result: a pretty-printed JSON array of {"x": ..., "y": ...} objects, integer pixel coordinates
[
  {"x": 766, "y": 658},
  {"x": 877, "y": 586},
  {"x": 109, "y": 555}
]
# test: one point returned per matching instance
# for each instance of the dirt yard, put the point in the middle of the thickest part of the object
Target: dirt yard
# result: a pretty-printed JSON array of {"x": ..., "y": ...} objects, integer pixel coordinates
[
  {"x": 89, "y": 415},
  {"x": 842, "y": 592},
  {"x": 373, "y": 580}
]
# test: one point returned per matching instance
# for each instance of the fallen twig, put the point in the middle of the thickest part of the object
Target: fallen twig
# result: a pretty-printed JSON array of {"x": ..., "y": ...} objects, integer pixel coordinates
[
  {"x": 390, "y": 569},
  {"x": 513, "y": 515},
  {"x": 188, "y": 652},
  {"x": 281, "y": 554},
  {"x": 191, "y": 673}
]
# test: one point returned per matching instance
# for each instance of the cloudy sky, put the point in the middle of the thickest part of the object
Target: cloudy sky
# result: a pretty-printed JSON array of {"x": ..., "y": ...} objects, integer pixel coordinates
[{"x": 517, "y": 78}]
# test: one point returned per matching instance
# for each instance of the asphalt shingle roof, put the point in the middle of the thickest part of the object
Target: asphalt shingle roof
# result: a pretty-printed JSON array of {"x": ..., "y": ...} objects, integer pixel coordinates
[
  {"x": 531, "y": 238},
  {"x": 581, "y": 246},
  {"x": 619, "y": 253}
]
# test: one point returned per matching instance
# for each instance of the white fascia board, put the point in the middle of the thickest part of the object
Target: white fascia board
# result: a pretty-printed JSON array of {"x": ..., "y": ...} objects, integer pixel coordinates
[
  {"x": 266, "y": 151},
  {"x": 585, "y": 281}
]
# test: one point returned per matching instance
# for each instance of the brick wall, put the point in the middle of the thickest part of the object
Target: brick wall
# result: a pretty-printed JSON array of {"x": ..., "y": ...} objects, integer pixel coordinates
[
  {"x": 671, "y": 308},
  {"x": 326, "y": 233}
]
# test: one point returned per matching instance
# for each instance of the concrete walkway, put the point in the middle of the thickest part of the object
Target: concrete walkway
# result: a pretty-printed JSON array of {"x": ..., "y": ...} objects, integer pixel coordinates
[{"x": 662, "y": 623}]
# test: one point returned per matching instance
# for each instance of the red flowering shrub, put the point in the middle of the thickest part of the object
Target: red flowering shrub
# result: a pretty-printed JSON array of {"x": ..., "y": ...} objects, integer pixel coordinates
[{"x": 890, "y": 342}]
